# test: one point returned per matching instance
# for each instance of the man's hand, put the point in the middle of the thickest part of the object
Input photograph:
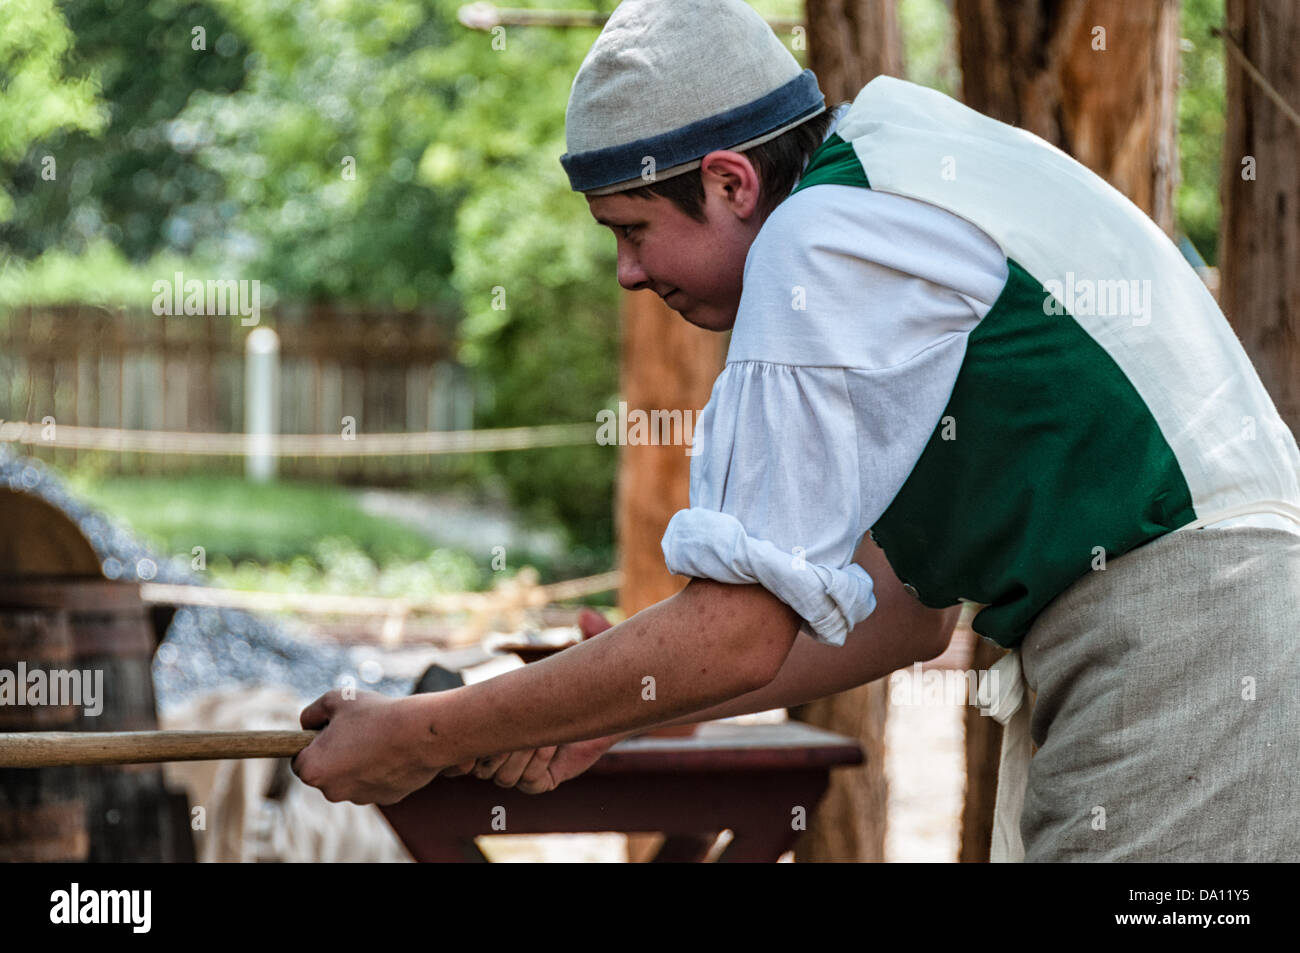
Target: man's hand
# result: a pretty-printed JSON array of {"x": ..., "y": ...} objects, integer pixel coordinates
[
  {"x": 538, "y": 770},
  {"x": 371, "y": 750}
]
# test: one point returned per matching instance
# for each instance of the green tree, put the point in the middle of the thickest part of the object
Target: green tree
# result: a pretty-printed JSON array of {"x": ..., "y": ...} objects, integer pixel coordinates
[
  {"x": 1200, "y": 125},
  {"x": 39, "y": 99},
  {"x": 132, "y": 180}
]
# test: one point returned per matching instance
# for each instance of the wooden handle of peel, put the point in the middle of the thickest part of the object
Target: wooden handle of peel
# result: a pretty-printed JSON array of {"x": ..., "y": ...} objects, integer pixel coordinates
[{"x": 52, "y": 749}]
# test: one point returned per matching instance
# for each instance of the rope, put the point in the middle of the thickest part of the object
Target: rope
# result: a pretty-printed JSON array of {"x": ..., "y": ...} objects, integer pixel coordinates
[
  {"x": 301, "y": 445},
  {"x": 525, "y": 594},
  {"x": 511, "y": 598},
  {"x": 486, "y": 16}
]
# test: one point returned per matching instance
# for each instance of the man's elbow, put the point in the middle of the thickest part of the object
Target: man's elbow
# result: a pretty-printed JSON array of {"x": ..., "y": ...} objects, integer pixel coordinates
[
  {"x": 772, "y": 632},
  {"x": 757, "y": 630},
  {"x": 762, "y": 663},
  {"x": 934, "y": 633}
]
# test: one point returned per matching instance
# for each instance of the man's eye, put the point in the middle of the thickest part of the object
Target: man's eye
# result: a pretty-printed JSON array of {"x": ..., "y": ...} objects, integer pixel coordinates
[{"x": 627, "y": 230}]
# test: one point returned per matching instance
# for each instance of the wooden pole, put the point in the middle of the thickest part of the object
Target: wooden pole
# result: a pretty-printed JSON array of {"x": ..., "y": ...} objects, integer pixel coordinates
[
  {"x": 667, "y": 364},
  {"x": 486, "y": 16},
  {"x": 52, "y": 749},
  {"x": 1095, "y": 78},
  {"x": 983, "y": 746},
  {"x": 1259, "y": 242},
  {"x": 850, "y": 43}
]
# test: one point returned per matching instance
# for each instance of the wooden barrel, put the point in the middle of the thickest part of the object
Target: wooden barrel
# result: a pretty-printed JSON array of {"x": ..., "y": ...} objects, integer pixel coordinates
[
  {"x": 131, "y": 815},
  {"x": 43, "y": 815}
]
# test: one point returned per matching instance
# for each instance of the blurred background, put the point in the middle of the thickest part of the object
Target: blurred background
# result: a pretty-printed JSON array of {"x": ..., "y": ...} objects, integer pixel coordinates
[{"x": 388, "y": 173}]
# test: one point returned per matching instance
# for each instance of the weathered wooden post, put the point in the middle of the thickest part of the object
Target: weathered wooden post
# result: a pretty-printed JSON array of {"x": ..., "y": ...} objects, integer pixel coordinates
[
  {"x": 261, "y": 381},
  {"x": 1259, "y": 243}
]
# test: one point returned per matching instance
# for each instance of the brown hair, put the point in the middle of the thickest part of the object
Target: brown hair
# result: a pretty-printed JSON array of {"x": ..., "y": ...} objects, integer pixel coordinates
[{"x": 779, "y": 162}]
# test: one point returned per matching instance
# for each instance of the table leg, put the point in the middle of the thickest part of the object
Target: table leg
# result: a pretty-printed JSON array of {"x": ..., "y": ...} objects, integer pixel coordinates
[
  {"x": 758, "y": 847},
  {"x": 450, "y": 850},
  {"x": 684, "y": 848}
]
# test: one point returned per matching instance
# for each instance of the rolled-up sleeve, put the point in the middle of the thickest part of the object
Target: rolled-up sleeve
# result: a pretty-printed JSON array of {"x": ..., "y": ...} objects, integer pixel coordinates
[{"x": 776, "y": 494}]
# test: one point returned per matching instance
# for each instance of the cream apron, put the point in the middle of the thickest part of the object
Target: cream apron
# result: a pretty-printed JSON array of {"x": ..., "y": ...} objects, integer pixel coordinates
[{"x": 1012, "y": 709}]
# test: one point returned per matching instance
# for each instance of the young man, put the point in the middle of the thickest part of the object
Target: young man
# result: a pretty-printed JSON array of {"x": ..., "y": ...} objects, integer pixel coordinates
[{"x": 954, "y": 338}]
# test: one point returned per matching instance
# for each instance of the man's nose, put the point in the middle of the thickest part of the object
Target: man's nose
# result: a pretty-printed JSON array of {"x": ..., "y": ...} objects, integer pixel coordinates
[{"x": 630, "y": 273}]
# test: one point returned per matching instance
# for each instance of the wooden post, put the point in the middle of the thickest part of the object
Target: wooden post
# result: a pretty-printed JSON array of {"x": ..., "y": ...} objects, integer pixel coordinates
[
  {"x": 1097, "y": 79},
  {"x": 850, "y": 43},
  {"x": 667, "y": 364},
  {"x": 1259, "y": 243},
  {"x": 983, "y": 747}
]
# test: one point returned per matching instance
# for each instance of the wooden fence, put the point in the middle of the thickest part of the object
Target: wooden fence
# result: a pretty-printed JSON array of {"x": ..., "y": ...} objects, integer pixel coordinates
[{"x": 132, "y": 369}]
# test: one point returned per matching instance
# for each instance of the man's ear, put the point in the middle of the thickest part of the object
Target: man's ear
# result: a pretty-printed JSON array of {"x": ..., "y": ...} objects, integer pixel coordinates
[{"x": 735, "y": 179}]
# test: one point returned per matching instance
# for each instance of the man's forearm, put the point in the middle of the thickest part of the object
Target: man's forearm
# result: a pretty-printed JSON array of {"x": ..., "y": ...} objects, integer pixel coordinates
[
  {"x": 814, "y": 670},
  {"x": 899, "y": 632},
  {"x": 702, "y": 647}
]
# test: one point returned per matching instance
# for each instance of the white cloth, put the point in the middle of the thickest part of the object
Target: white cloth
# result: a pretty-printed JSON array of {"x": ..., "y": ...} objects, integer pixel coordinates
[{"x": 1011, "y": 709}]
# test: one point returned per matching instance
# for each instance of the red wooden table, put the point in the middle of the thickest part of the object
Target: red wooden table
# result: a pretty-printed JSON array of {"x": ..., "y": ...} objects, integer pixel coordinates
[{"x": 749, "y": 779}]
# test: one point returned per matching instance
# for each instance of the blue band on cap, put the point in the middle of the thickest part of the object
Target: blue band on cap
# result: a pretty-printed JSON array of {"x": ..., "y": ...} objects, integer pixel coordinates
[{"x": 598, "y": 168}]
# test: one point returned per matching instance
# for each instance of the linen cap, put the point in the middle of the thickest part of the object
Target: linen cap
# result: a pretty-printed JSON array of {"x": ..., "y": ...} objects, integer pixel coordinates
[{"x": 669, "y": 81}]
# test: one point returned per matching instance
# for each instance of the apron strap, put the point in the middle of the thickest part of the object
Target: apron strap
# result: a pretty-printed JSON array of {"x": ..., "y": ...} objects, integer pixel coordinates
[
  {"x": 1277, "y": 507},
  {"x": 1010, "y": 707}
]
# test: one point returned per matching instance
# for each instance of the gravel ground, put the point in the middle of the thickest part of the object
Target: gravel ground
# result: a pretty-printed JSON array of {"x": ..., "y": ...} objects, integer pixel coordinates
[{"x": 452, "y": 521}]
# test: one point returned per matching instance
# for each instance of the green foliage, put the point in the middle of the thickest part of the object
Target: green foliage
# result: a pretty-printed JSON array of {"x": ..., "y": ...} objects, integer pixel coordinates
[
  {"x": 338, "y": 566},
  {"x": 98, "y": 275},
  {"x": 535, "y": 274},
  {"x": 320, "y": 149},
  {"x": 38, "y": 99},
  {"x": 301, "y": 537},
  {"x": 135, "y": 181},
  {"x": 1201, "y": 112},
  {"x": 929, "y": 52},
  {"x": 536, "y": 277}
]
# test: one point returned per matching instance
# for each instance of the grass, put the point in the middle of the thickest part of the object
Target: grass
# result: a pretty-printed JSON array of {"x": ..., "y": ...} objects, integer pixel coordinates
[
  {"x": 239, "y": 521},
  {"x": 298, "y": 537}
]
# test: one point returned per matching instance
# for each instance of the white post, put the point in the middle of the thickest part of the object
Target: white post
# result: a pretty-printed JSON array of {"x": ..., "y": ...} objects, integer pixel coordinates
[{"x": 261, "y": 378}]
